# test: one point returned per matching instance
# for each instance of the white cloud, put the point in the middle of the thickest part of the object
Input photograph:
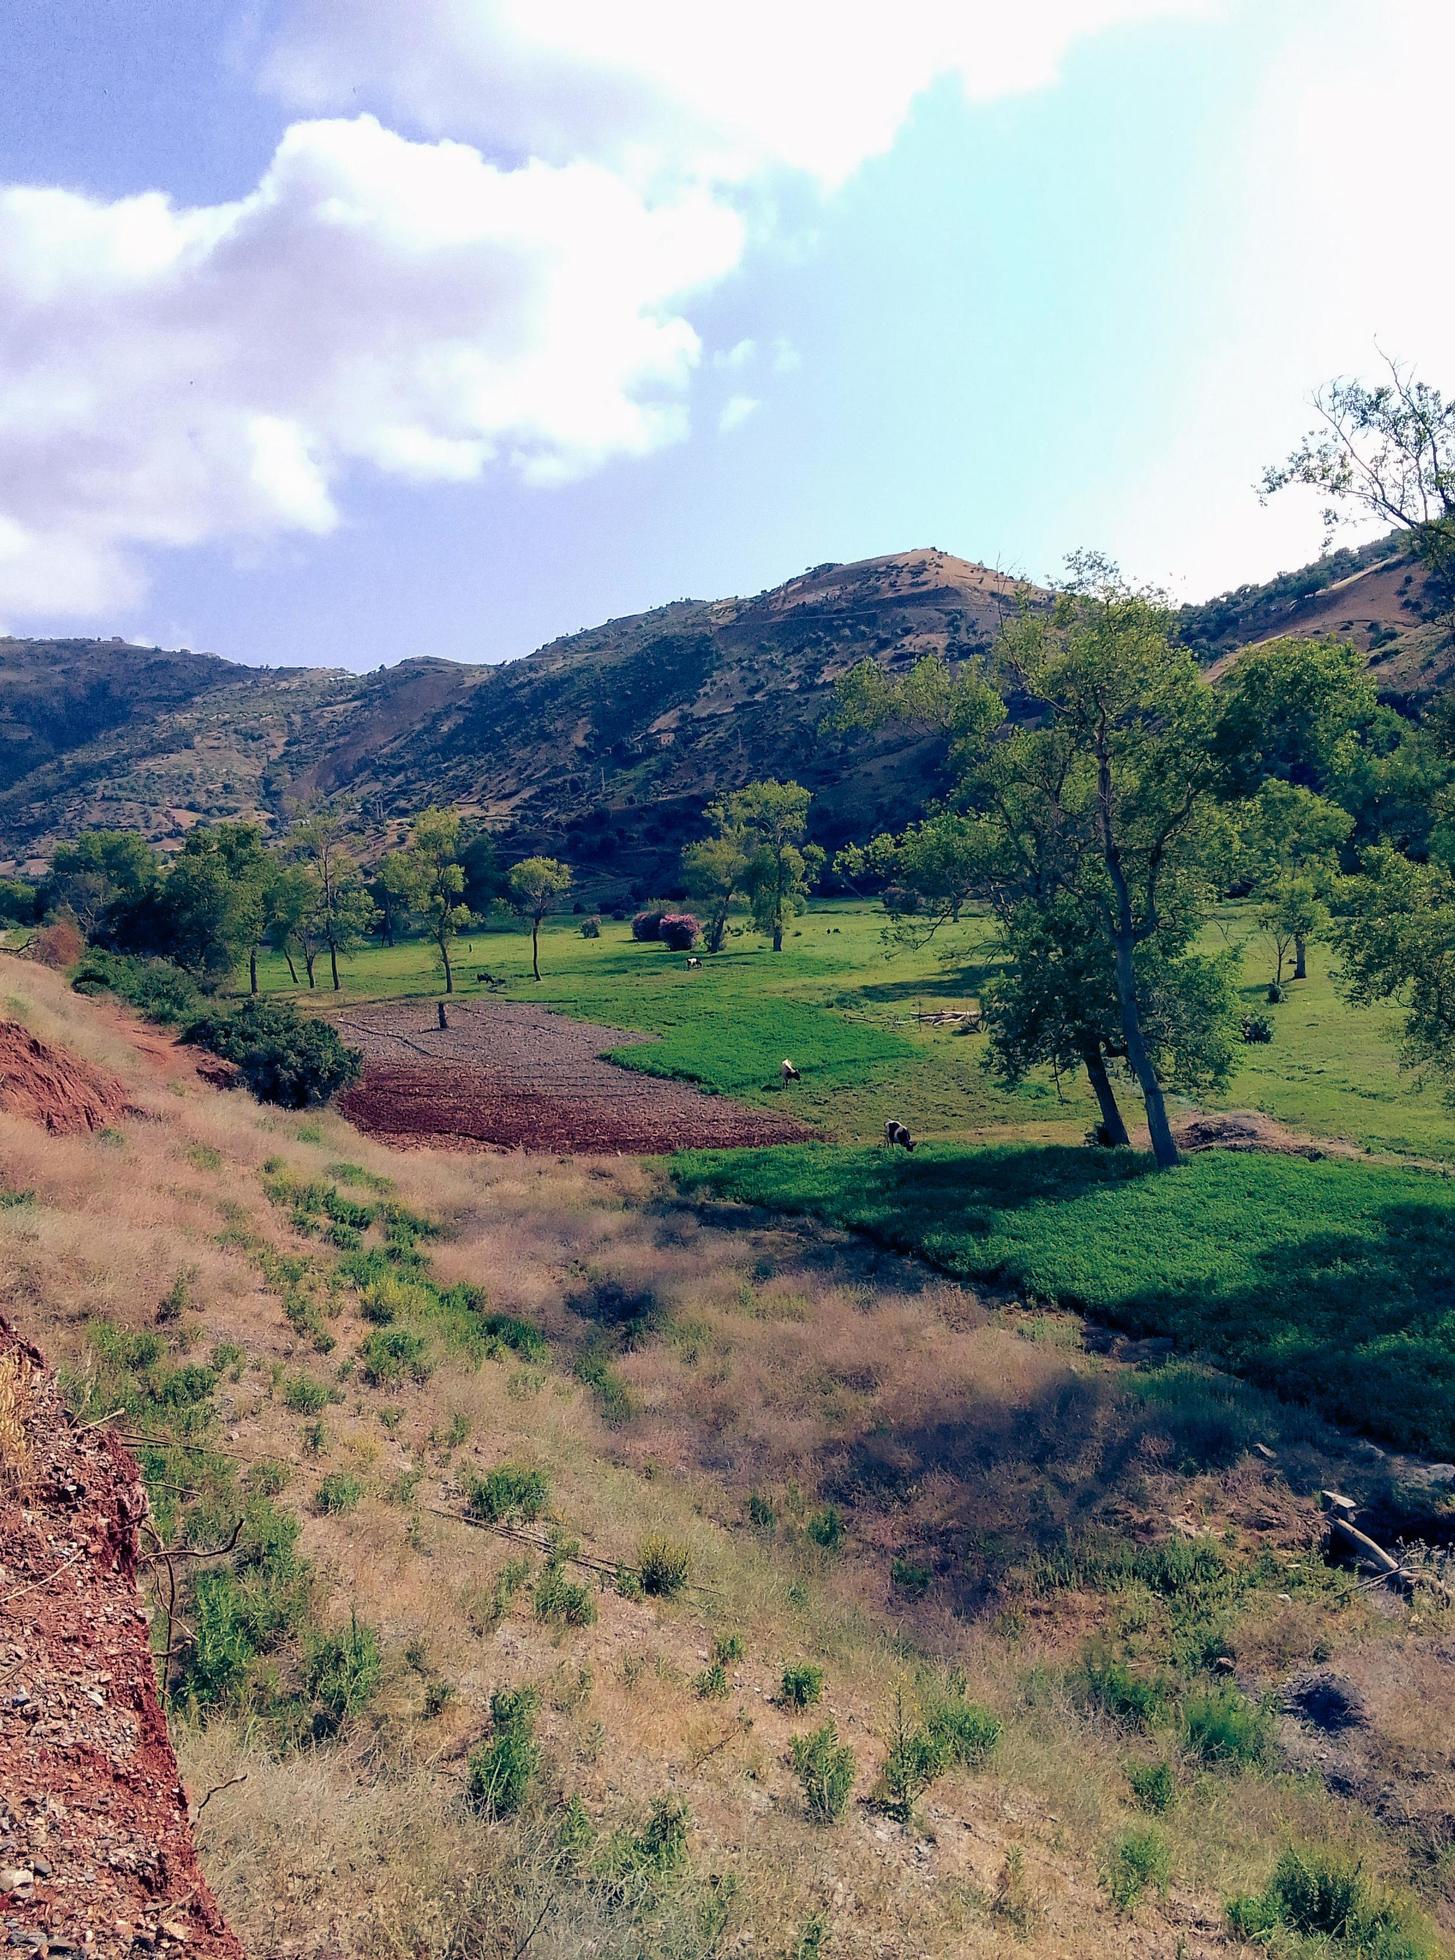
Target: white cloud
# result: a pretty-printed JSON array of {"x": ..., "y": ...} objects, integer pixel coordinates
[
  {"x": 654, "y": 86},
  {"x": 786, "y": 357},
  {"x": 735, "y": 411},
  {"x": 740, "y": 355},
  {"x": 174, "y": 376}
]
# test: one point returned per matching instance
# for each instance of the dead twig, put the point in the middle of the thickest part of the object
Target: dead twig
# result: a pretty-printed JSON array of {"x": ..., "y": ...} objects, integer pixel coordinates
[
  {"x": 36, "y": 1584},
  {"x": 242, "y": 1778}
]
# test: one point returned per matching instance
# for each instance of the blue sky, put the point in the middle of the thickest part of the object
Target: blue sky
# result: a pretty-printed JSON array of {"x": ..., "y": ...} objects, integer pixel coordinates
[{"x": 569, "y": 327}]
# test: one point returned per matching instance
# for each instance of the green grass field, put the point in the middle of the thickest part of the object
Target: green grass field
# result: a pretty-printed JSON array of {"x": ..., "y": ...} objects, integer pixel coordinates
[
  {"x": 843, "y": 1008},
  {"x": 1332, "y": 1282}
]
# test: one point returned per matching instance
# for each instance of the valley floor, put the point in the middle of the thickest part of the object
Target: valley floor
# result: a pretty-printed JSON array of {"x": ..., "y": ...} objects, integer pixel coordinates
[{"x": 573, "y": 1502}]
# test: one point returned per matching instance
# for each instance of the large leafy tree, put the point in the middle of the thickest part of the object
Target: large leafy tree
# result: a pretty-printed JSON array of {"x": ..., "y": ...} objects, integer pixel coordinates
[
  {"x": 1396, "y": 936},
  {"x": 243, "y": 856},
  {"x": 1290, "y": 839},
  {"x": 781, "y": 868},
  {"x": 432, "y": 881},
  {"x": 342, "y": 911},
  {"x": 392, "y": 890},
  {"x": 537, "y": 886},
  {"x": 715, "y": 868},
  {"x": 102, "y": 868}
]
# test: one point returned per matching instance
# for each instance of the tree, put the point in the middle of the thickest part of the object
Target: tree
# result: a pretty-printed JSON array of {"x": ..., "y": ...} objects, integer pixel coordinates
[
  {"x": 240, "y": 850},
  {"x": 206, "y": 918},
  {"x": 1395, "y": 931},
  {"x": 342, "y": 910},
  {"x": 289, "y": 904},
  {"x": 392, "y": 891},
  {"x": 1092, "y": 818},
  {"x": 536, "y": 885},
  {"x": 100, "y": 869},
  {"x": 433, "y": 881},
  {"x": 1289, "y": 839},
  {"x": 1294, "y": 709},
  {"x": 485, "y": 883},
  {"x": 771, "y": 819},
  {"x": 1384, "y": 450},
  {"x": 714, "y": 870}
]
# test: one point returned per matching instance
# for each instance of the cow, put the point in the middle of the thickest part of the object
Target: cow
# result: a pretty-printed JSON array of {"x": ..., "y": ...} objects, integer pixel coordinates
[
  {"x": 895, "y": 1134},
  {"x": 789, "y": 1073},
  {"x": 693, "y": 963}
]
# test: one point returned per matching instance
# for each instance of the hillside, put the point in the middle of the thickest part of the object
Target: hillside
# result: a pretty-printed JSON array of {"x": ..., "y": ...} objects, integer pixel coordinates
[{"x": 602, "y": 746}]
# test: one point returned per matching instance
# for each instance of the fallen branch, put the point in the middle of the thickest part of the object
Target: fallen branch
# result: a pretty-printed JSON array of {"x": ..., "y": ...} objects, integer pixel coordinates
[
  {"x": 610, "y": 1568},
  {"x": 242, "y": 1778},
  {"x": 1391, "y": 1571}
]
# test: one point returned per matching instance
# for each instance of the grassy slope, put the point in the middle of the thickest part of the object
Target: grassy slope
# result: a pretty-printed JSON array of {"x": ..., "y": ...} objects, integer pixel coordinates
[
  {"x": 840, "y": 1007},
  {"x": 1332, "y": 1282}
]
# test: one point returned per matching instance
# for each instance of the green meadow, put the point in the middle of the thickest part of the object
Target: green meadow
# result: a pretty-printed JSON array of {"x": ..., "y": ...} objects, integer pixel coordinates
[{"x": 842, "y": 1004}]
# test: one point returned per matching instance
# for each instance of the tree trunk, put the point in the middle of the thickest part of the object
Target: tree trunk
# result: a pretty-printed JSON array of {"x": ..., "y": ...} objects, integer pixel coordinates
[
  {"x": 333, "y": 962},
  {"x": 292, "y": 969},
  {"x": 778, "y": 930},
  {"x": 444, "y": 946},
  {"x": 535, "y": 947},
  {"x": 1164, "y": 1149},
  {"x": 717, "y": 926},
  {"x": 309, "y": 960},
  {"x": 252, "y": 969},
  {"x": 1111, "y": 1117},
  {"x": 1300, "y": 957}
]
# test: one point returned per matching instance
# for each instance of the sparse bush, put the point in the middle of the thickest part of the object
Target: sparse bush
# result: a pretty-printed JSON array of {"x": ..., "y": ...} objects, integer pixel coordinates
[
  {"x": 1257, "y": 1028},
  {"x": 802, "y": 1685},
  {"x": 501, "y": 1769},
  {"x": 562, "y": 1600},
  {"x": 825, "y": 1768},
  {"x": 966, "y": 1734},
  {"x": 591, "y": 928},
  {"x": 304, "y": 1396},
  {"x": 1222, "y": 1727},
  {"x": 341, "y": 1676},
  {"x": 510, "y": 1493},
  {"x": 1153, "y": 1786},
  {"x": 1276, "y": 993},
  {"x": 338, "y": 1492},
  {"x": 1320, "y": 1895},
  {"x": 826, "y": 1528},
  {"x": 662, "y": 1566},
  {"x": 392, "y": 1356},
  {"x": 1136, "y": 1860}
]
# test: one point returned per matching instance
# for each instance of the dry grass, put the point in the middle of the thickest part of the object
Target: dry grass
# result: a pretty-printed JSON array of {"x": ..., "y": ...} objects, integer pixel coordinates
[
  {"x": 16, "y": 1395},
  {"x": 803, "y": 1371}
]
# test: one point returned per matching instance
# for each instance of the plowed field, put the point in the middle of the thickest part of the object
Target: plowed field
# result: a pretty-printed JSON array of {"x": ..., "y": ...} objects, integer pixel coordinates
[{"x": 514, "y": 1076}]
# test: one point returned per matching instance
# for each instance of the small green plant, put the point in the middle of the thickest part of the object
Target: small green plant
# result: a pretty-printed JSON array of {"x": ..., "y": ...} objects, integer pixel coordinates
[
  {"x": 662, "y": 1567},
  {"x": 909, "y": 1577},
  {"x": 825, "y": 1768},
  {"x": 727, "y": 1648},
  {"x": 1153, "y": 1786},
  {"x": 336, "y": 1493},
  {"x": 966, "y": 1734},
  {"x": 438, "y": 1694},
  {"x": 341, "y": 1676},
  {"x": 802, "y": 1685},
  {"x": 500, "y": 1770},
  {"x": 826, "y": 1528},
  {"x": 712, "y": 1683},
  {"x": 1135, "y": 1861},
  {"x": 913, "y": 1761},
  {"x": 562, "y": 1600},
  {"x": 1114, "y": 1689},
  {"x": 393, "y": 1356},
  {"x": 1223, "y": 1728},
  {"x": 509, "y": 1494},
  {"x": 761, "y": 1514},
  {"x": 304, "y": 1396},
  {"x": 1322, "y": 1896}
]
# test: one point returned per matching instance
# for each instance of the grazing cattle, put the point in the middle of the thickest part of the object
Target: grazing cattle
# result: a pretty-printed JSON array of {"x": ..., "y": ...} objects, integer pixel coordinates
[
  {"x": 790, "y": 1073},
  {"x": 896, "y": 1134},
  {"x": 693, "y": 963},
  {"x": 488, "y": 980}
]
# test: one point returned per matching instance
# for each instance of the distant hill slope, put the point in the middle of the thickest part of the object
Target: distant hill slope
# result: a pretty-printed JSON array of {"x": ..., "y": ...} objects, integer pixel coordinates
[{"x": 601, "y": 747}]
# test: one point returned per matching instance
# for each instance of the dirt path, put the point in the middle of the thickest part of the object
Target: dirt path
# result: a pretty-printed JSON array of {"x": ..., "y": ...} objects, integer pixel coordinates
[{"x": 517, "y": 1077}]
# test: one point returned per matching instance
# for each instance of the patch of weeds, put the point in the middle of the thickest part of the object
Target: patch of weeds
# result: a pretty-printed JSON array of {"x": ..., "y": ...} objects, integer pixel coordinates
[
  {"x": 500, "y": 1770},
  {"x": 1153, "y": 1786},
  {"x": 712, "y": 1683},
  {"x": 727, "y": 1648},
  {"x": 662, "y": 1567},
  {"x": 802, "y": 1685},
  {"x": 825, "y": 1768},
  {"x": 305, "y": 1396},
  {"x": 910, "y": 1578},
  {"x": 826, "y": 1528},
  {"x": 340, "y": 1676},
  {"x": 612, "y": 1396},
  {"x": 268, "y": 1477},
  {"x": 635, "y": 1865},
  {"x": 337, "y": 1493},
  {"x": 1321, "y": 1896},
  {"x": 966, "y": 1734},
  {"x": 1134, "y": 1862},
  {"x": 562, "y": 1600},
  {"x": 315, "y": 1439},
  {"x": 509, "y": 1494},
  {"x": 403, "y": 1488},
  {"x": 227, "y": 1358},
  {"x": 1222, "y": 1728},
  {"x": 438, "y": 1694},
  {"x": 1134, "y": 1700},
  {"x": 761, "y": 1514},
  {"x": 391, "y": 1357}
]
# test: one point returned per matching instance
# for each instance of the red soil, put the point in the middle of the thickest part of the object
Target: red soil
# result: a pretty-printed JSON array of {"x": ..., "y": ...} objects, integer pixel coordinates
[
  {"x": 515, "y": 1076},
  {"x": 96, "y": 1851},
  {"x": 53, "y": 1088}
]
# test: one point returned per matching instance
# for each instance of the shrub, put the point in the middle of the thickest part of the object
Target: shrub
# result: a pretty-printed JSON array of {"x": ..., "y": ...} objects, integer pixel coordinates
[
  {"x": 341, "y": 1675},
  {"x": 337, "y": 1492},
  {"x": 563, "y": 1600},
  {"x": 1136, "y": 1860},
  {"x": 1276, "y": 993},
  {"x": 1319, "y": 1895},
  {"x": 1221, "y": 1726},
  {"x": 802, "y": 1685},
  {"x": 1153, "y": 1786},
  {"x": 156, "y": 988},
  {"x": 283, "y": 1056},
  {"x": 1136, "y": 1701},
  {"x": 1257, "y": 1028},
  {"x": 304, "y": 1396},
  {"x": 914, "y": 1760},
  {"x": 727, "y": 1648},
  {"x": 966, "y": 1734},
  {"x": 825, "y": 1768},
  {"x": 591, "y": 928},
  {"x": 501, "y": 1769},
  {"x": 679, "y": 930},
  {"x": 508, "y": 1494},
  {"x": 662, "y": 1567},
  {"x": 712, "y": 1683},
  {"x": 647, "y": 925},
  {"x": 393, "y": 1356},
  {"x": 826, "y": 1528}
]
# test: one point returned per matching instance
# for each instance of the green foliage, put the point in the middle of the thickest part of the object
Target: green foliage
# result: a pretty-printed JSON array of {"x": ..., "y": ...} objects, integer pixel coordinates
[
  {"x": 727, "y": 1648},
  {"x": 1359, "y": 1258},
  {"x": 305, "y": 1396},
  {"x": 392, "y": 1357},
  {"x": 825, "y": 1768},
  {"x": 907, "y": 1575},
  {"x": 510, "y": 1493},
  {"x": 337, "y": 1492},
  {"x": 802, "y": 1685},
  {"x": 1222, "y": 1728},
  {"x": 826, "y": 1528},
  {"x": 662, "y": 1566},
  {"x": 537, "y": 886},
  {"x": 341, "y": 1674},
  {"x": 562, "y": 1600},
  {"x": 285, "y": 1057},
  {"x": 500, "y": 1770},
  {"x": 101, "y": 869},
  {"x": 1153, "y": 1786},
  {"x": 712, "y": 1683},
  {"x": 1321, "y": 1895},
  {"x": 1135, "y": 1861},
  {"x": 156, "y": 988},
  {"x": 966, "y": 1734},
  {"x": 914, "y": 1759}
]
